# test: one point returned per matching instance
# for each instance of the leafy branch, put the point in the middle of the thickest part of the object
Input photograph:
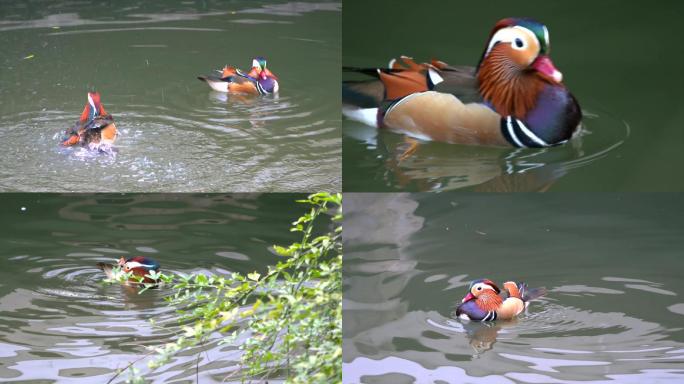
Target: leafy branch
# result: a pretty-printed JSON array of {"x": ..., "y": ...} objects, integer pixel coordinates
[{"x": 290, "y": 317}]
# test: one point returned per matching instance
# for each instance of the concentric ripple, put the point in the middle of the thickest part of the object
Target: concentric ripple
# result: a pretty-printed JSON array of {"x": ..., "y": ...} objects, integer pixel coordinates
[
  {"x": 71, "y": 317},
  {"x": 612, "y": 312},
  {"x": 558, "y": 343},
  {"x": 60, "y": 321}
]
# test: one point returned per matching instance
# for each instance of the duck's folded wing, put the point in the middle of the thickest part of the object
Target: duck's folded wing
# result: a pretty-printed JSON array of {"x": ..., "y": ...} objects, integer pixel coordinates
[
  {"x": 108, "y": 269},
  {"x": 211, "y": 77},
  {"x": 459, "y": 81},
  {"x": 99, "y": 122},
  {"x": 510, "y": 308},
  {"x": 73, "y": 131},
  {"x": 363, "y": 94},
  {"x": 408, "y": 78}
]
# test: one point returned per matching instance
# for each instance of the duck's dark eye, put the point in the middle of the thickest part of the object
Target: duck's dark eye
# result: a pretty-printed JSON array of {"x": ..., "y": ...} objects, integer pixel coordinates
[
  {"x": 479, "y": 288},
  {"x": 518, "y": 42}
]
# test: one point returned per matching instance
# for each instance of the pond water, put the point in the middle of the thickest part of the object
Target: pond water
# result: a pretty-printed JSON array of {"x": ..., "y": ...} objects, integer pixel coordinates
[
  {"x": 60, "y": 323},
  {"x": 611, "y": 263},
  {"x": 632, "y": 122},
  {"x": 176, "y": 134}
]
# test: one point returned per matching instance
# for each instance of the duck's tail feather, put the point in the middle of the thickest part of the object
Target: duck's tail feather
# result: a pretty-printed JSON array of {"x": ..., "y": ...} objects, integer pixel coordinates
[
  {"x": 108, "y": 269},
  {"x": 214, "y": 77},
  {"x": 528, "y": 294},
  {"x": 363, "y": 94},
  {"x": 373, "y": 72}
]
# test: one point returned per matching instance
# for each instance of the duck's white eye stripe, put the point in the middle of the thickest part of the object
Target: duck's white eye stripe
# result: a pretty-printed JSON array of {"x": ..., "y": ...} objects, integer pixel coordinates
[
  {"x": 135, "y": 264},
  {"x": 508, "y": 35},
  {"x": 502, "y": 35},
  {"x": 546, "y": 37}
]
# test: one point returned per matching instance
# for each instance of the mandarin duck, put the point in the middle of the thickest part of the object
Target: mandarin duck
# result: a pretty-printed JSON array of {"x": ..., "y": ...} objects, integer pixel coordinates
[
  {"x": 513, "y": 97},
  {"x": 94, "y": 128},
  {"x": 258, "y": 81},
  {"x": 139, "y": 266},
  {"x": 486, "y": 302}
]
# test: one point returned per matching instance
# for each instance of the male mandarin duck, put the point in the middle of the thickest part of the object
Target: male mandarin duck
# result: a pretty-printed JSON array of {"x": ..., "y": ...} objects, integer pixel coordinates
[
  {"x": 515, "y": 95},
  {"x": 258, "y": 81},
  {"x": 485, "y": 301},
  {"x": 140, "y": 266},
  {"x": 94, "y": 127}
]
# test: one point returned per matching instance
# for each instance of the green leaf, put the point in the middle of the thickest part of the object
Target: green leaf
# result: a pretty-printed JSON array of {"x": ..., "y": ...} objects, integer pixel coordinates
[{"x": 288, "y": 314}]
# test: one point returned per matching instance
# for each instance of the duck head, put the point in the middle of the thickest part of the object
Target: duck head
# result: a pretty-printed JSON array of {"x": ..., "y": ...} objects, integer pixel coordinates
[
  {"x": 259, "y": 63},
  {"x": 139, "y": 265},
  {"x": 515, "y": 66},
  {"x": 259, "y": 69},
  {"x": 481, "y": 287}
]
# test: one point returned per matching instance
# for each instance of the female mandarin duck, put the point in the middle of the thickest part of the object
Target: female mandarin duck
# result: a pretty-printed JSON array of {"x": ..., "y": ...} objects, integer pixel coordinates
[
  {"x": 513, "y": 97},
  {"x": 140, "y": 266},
  {"x": 258, "y": 81},
  {"x": 95, "y": 127},
  {"x": 484, "y": 302}
]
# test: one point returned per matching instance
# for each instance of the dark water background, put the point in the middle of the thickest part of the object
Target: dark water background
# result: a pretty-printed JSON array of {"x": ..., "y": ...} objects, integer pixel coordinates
[
  {"x": 176, "y": 134},
  {"x": 60, "y": 323},
  {"x": 612, "y": 264},
  {"x": 620, "y": 59}
]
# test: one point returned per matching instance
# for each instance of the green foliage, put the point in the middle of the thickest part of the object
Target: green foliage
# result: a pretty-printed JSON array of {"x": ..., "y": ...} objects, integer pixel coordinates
[{"x": 289, "y": 316}]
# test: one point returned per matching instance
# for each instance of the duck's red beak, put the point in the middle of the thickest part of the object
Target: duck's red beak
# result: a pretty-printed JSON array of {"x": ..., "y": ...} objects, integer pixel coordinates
[
  {"x": 544, "y": 65},
  {"x": 270, "y": 74},
  {"x": 468, "y": 297}
]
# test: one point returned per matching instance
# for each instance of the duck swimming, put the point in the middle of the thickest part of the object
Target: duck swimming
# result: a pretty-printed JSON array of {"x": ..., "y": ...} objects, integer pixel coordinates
[
  {"x": 513, "y": 97},
  {"x": 95, "y": 128},
  {"x": 140, "y": 266},
  {"x": 486, "y": 302},
  {"x": 258, "y": 81}
]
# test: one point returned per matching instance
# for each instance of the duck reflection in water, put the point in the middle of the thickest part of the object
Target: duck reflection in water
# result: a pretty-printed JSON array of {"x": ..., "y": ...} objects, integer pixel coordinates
[
  {"x": 477, "y": 168},
  {"x": 483, "y": 335}
]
